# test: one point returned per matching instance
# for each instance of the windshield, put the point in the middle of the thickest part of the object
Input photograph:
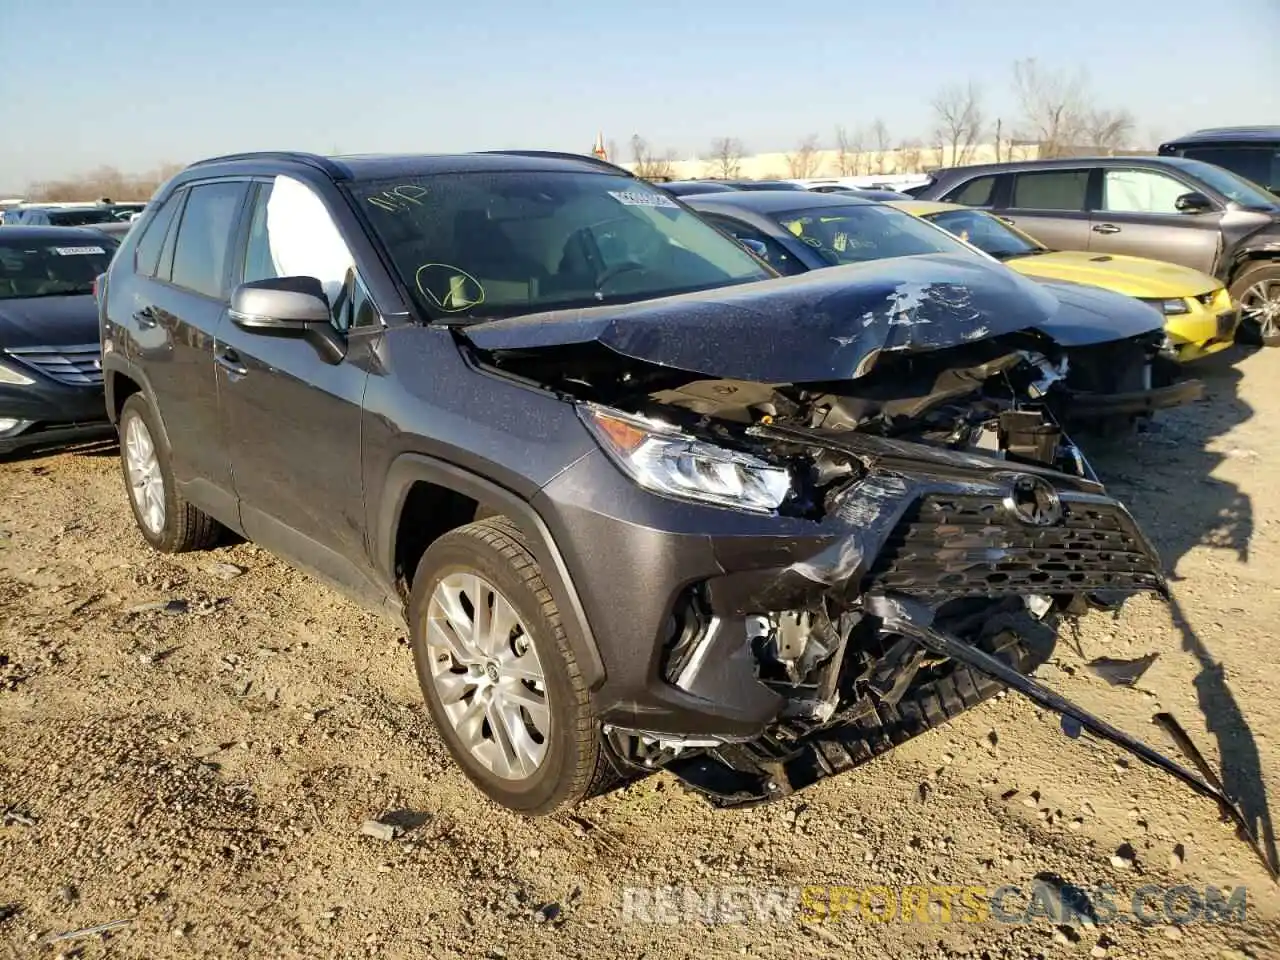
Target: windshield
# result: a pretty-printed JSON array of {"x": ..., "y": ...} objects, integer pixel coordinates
[
  {"x": 866, "y": 231},
  {"x": 479, "y": 245},
  {"x": 986, "y": 232},
  {"x": 49, "y": 270},
  {"x": 79, "y": 218},
  {"x": 1230, "y": 185}
]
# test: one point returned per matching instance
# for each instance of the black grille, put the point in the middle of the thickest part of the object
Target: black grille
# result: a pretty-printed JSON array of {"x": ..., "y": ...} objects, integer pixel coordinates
[
  {"x": 78, "y": 365},
  {"x": 958, "y": 546}
]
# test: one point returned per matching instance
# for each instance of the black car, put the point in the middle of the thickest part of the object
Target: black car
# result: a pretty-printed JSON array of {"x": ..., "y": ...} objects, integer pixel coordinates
[
  {"x": 640, "y": 502},
  {"x": 689, "y": 188},
  {"x": 1252, "y": 152},
  {"x": 1164, "y": 208},
  {"x": 1111, "y": 357},
  {"x": 50, "y": 367}
]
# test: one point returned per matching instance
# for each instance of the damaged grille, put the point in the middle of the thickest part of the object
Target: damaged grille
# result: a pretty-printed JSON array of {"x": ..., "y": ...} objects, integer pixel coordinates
[{"x": 953, "y": 546}]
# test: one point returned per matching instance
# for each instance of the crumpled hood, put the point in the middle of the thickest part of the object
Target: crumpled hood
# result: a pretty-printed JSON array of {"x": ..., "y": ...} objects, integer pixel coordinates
[
  {"x": 48, "y": 321},
  {"x": 829, "y": 324}
]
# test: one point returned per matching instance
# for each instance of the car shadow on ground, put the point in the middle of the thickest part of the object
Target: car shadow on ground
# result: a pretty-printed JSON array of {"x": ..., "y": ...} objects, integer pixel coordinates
[
  {"x": 1165, "y": 479},
  {"x": 105, "y": 447}
]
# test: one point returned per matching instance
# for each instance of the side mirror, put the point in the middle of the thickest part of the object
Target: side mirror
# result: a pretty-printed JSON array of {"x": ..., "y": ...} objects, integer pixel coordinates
[
  {"x": 1193, "y": 203},
  {"x": 289, "y": 307}
]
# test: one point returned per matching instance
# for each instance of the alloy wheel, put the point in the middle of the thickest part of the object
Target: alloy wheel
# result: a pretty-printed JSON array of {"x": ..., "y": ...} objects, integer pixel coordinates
[
  {"x": 487, "y": 675},
  {"x": 1260, "y": 304},
  {"x": 146, "y": 485}
]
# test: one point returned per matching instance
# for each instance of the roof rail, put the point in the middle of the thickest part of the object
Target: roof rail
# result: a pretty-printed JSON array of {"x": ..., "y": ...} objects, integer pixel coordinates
[
  {"x": 565, "y": 155},
  {"x": 310, "y": 159}
]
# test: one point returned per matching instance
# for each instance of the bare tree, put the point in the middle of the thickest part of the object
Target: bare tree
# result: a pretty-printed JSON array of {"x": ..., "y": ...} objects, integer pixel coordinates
[
  {"x": 1108, "y": 130},
  {"x": 725, "y": 158},
  {"x": 880, "y": 137},
  {"x": 958, "y": 121},
  {"x": 805, "y": 161},
  {"x": 103, "y": 183},
  {"x": 646, "y": 164},
  {"x": 910, "y": 153},
  {"x": 1053, "y": 105},
  {"x": 850, "y": 146}
]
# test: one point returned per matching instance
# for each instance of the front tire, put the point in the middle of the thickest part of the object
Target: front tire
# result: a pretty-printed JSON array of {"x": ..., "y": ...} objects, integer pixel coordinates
[
  {"x": 498, "y": 675},
  {"x": 1257, "y": 290},
  {"x": 167, "y": 521}
]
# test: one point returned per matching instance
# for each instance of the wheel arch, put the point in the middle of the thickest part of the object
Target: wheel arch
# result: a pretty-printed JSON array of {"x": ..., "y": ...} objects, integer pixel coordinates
[
  {"x": 121, "y": 380},
  {"x": 410, "y": 471}
]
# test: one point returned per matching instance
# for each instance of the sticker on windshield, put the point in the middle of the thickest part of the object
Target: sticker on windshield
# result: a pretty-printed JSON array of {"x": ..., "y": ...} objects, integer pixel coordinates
[
  {"x": 642, "y": 198},
  {"x": 78, "y": 251}
]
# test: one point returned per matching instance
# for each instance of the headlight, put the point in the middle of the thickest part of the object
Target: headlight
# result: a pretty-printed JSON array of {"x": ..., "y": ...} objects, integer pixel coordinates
[
  {"x": 15, "y": 377},
  {"x": 1170, "y": 308},
  {"x": 662, "y": 459}
]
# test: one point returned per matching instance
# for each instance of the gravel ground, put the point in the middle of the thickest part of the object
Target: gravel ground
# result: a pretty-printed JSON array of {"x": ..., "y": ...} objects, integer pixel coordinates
[{"x": 192, "y": 744}]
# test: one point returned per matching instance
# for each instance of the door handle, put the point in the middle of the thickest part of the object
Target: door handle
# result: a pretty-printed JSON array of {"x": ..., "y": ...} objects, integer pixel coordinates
[
  {"x": 229, "y": 360},
  {"x": 1105, "y": 228},
  {"x": 146, "y": 318}
]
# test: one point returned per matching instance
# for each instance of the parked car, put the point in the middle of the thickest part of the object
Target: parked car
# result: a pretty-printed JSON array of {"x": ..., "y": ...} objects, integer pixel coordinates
[
  {"x": 764, "y": 185},
  {"x": 640, "y": 502},
  {"x": 1199, "y": 316},
  {"x": 1251, "y": 152},
  {"x": 865, "y": 194},
  {"x": 102, "y": 219},
  {"x": 50, "y": 367},
  {"x": 1166, "y": 208},
  {"x": 1117, "y": 377},
  {"x": 689, "y": 188}
]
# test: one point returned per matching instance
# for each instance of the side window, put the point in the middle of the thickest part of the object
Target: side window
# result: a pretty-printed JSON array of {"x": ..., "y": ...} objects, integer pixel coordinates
[
  {"x": 146, "y": 256},
  {"x": 761, "y": 244},
  {"x": 1141, "y": 191},
  {"x": 975, "y": 193},
  {"x": 204, "y": 237},
  {"x": 291, "y": 234},
  {"x": 1050, "y": 190}
]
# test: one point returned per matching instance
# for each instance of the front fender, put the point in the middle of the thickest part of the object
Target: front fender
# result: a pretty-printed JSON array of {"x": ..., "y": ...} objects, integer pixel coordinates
[{"x": 411, "y": 468}]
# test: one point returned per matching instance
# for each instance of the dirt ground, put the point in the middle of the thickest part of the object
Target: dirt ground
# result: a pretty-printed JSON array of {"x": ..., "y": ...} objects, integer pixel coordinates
[{"x": 202, "y": 770}]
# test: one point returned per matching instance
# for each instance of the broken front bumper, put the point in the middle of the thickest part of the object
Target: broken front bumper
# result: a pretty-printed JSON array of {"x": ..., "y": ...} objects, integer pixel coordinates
[{"x": 672, "y": 591}]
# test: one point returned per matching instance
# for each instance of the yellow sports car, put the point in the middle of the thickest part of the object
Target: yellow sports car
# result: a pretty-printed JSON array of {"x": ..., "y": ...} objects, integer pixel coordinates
[{"x": 1200, "y": 317}]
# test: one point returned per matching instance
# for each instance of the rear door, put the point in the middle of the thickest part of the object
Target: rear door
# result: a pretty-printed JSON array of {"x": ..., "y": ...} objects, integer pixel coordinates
[
  {"x": 1136, "y": 214},
  {"x": 179, "y": 299},
  {"x": 293, "y": 418},
  {"x": 1051, "y": 205}
]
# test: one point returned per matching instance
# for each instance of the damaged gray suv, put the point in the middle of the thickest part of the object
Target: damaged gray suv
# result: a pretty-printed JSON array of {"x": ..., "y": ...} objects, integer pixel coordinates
[{"x": 641, "y": 502}]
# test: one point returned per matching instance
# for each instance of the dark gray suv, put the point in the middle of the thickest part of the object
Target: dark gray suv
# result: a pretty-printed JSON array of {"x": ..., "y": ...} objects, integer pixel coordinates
[
  {"x": 1166, "y": 208},
  {"x": 640, "y": 502}
]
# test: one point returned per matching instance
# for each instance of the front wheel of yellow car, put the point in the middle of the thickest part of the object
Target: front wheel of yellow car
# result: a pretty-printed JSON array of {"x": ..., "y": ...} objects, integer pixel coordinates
[{"x": 1257, "y": 290}]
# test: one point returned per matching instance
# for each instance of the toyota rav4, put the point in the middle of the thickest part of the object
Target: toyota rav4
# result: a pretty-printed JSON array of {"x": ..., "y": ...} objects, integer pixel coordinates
[{"x": 641, "y": 502}]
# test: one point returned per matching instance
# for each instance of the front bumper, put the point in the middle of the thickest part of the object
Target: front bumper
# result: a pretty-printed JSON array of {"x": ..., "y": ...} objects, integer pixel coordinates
[
  {"x": 1207, "y": 329},
  {"x": 923, "y": 522},
  {"x": 50, "y": 413}
]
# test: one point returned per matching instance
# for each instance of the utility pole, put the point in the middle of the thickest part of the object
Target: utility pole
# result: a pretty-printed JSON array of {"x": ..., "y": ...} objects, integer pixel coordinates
[{"x": 999, "y": 127}]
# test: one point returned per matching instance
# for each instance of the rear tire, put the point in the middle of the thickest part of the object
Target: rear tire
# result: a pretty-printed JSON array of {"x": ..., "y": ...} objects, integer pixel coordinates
[
  {"x": 521, "y": 727},
  {"x": 1257, "y": 290},
  {"x": 167, "y": 521}
]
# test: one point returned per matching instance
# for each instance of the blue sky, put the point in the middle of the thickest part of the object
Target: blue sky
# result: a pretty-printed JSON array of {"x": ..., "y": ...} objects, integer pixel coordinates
[{"x": 134, "y": 83}]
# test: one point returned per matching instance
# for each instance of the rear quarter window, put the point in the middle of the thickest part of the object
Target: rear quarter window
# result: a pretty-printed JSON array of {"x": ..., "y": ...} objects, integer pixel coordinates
[{"x": 976, "y": 193}]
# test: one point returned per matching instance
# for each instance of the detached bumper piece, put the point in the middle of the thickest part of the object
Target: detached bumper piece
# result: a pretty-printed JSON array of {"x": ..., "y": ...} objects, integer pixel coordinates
[
  {"x": 1097, "y": 406},
  {"x": 915, "y": 620},
  {"x": 905, "y": 693}
]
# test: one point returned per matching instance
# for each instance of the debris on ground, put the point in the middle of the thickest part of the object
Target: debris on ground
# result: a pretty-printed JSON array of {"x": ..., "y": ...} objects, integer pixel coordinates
[{"x": 1121, "y": 673}]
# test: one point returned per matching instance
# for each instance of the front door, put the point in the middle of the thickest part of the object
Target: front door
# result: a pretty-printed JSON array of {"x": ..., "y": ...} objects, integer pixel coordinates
[
  {"x": 1137, "y": 215},
  {"x": 1050, "y": 205},
  {"x": 292, "y": 417}
]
